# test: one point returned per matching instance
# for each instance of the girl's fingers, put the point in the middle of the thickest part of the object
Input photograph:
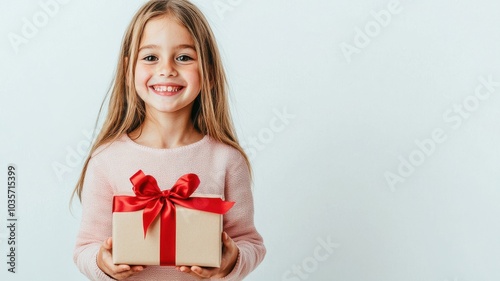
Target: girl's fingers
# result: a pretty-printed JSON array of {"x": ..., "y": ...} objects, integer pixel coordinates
[
  {"x": 225, "y": 239},
  {"x": 120, "y": 268},
  {"x": 119, "y": 274},
  {"x": 197, "y": 271},
  {"x": 123, "y": 275},
  {"x": 117, "y": 271},
  {"x": 107, "y": 244},
  {"x": 228, "y": 242},
  {"x": 229, "y": 256},
  {"x": 137, "y": 268},
  {"x": 185, "y": 269},
  {"x": 204, "y": 272}
]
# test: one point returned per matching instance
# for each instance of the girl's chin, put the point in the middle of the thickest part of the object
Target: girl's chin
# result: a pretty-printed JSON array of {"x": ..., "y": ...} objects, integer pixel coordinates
[{"x": 159, "y": 108}]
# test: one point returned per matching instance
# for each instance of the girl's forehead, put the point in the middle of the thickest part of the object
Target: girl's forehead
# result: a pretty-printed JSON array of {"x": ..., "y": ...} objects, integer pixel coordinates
[{"x": 166, "y": 29}]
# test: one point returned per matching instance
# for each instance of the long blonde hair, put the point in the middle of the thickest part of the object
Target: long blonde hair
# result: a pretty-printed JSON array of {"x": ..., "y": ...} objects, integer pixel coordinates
[{"x": 126, "y": 112}]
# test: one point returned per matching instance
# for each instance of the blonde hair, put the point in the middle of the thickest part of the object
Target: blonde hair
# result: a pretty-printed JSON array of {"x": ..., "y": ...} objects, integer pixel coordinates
[{"x": 126, "y": 112}]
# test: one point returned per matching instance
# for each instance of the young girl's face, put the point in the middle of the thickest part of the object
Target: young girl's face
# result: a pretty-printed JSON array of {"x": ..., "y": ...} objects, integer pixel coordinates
[{"x": 167, "y": 77}]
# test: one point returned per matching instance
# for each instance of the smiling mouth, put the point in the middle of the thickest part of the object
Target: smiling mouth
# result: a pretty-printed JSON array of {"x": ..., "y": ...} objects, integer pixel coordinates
[{"x": 167, "y": 89}]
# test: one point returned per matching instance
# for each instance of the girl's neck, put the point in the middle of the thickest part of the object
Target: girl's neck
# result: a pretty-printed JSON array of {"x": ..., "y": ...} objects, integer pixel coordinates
[{"x": 172, "y": 132}]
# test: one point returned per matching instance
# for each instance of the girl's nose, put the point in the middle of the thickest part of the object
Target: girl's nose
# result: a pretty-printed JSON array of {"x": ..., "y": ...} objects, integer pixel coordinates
[{"x": 167, "y": 69}]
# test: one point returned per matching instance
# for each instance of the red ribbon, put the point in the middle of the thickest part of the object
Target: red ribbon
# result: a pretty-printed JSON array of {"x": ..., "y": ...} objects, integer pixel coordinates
[{"x": 154, "y": 202}]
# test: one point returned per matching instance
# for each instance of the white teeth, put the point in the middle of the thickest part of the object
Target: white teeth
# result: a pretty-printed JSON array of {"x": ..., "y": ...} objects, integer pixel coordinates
[{"x": 166, "y": 88}]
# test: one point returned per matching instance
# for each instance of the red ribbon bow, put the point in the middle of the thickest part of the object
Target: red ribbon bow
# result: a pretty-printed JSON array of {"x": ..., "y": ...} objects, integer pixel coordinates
[{"x": 155, "y": 202}]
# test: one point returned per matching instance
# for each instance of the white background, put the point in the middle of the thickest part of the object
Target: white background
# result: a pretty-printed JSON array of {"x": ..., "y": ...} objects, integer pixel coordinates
[{"x": 320, "y": 173}]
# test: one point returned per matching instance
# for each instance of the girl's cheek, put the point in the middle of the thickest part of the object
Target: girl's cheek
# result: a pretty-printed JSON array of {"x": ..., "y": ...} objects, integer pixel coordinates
[{"x": 142, "y": 74}]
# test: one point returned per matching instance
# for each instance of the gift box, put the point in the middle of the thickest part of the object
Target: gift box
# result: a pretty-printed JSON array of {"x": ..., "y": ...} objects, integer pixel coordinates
[{"x": 168, "y": 227}]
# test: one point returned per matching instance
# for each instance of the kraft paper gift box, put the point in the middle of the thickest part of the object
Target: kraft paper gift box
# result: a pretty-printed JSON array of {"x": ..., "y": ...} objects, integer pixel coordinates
[{"x": 168, "y": 227}]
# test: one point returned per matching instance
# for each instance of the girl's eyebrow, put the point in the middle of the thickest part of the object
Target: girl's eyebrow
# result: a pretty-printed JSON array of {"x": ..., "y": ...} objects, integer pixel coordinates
[
  {"x": 185, "y": 46},
  {"x": 178, "y": 47}
]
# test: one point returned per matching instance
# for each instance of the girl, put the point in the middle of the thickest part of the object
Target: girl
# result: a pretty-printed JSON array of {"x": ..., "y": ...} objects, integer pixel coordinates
[{"x": 168, "y": 115}]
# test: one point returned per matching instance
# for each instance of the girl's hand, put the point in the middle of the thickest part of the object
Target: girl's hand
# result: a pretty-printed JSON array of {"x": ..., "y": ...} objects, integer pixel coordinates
[
  {"x": 229, "y": 256},
  {"x": 105, "y": 263}
]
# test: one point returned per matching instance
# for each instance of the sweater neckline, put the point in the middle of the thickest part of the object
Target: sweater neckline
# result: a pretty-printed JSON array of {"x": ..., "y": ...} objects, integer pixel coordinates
[{"x": 180, "y": 148}]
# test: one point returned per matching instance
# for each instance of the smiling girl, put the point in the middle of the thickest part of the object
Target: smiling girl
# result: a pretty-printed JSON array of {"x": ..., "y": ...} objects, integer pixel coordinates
[{"x": 168, "y": 115}]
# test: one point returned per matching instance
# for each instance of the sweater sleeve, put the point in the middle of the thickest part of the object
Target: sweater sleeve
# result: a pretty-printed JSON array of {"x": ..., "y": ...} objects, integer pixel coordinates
[
  {"x": 95, "y": 227},
  {"x": 239, "y": 221}
]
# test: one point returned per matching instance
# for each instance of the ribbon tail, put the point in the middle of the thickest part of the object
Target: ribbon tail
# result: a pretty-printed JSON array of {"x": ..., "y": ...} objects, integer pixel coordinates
[{"x": 152, "y": 210}]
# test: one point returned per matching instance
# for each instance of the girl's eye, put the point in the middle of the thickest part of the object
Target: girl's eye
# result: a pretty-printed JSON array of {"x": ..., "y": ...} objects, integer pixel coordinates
[
  {"x": 150, "y": 58},
  {"x": 184, "y": 58}
]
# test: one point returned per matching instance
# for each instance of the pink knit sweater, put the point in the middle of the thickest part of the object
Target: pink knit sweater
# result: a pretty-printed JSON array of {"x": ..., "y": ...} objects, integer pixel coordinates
[{"x": 221, "y": 169}]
